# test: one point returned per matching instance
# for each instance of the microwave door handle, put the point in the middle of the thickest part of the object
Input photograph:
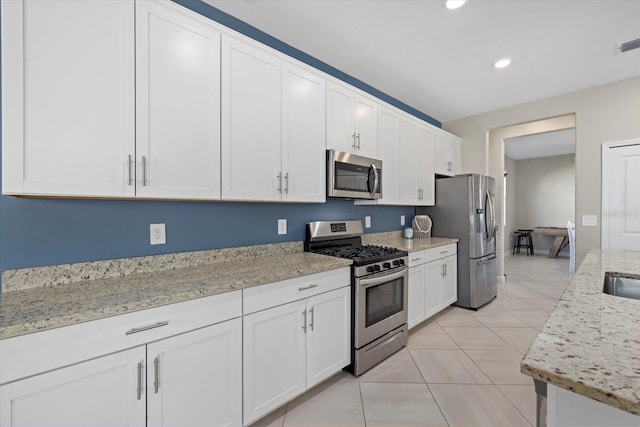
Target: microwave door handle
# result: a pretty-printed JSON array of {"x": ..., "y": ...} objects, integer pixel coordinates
[{"x": 376, "y": 180}]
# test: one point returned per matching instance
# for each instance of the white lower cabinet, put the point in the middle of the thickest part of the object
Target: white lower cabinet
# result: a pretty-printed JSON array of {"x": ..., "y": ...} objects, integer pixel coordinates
[
  {"x": 433, "y": 283},
  {"x": 291, "y": 347},
  {"x": 104, "y": 391}
]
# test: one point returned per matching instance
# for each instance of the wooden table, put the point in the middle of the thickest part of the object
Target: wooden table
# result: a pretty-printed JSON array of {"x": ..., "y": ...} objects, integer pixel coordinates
[{"x": 561, "y": 238}]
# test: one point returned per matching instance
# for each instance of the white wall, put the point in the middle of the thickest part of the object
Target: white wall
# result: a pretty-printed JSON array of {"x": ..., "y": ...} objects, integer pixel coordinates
[
  {"x": 510, "y": 166},
  {"x": 545, "y": 195},
  {"x": 604, "y": 113}
]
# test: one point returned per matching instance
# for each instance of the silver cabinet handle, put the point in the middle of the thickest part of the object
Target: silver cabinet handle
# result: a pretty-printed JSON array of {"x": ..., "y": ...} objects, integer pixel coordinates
[
  {"x": 144, "y": 171},
  {"x": 279, "y": 182},
  {"x": 444, "y": 252},
  {"x": 311, "y": 322},
  {"x": 353, "y": 137},
  {"x": 286, "y": 182},
  {"x": 442, "y": 270},
  {"x": 129, "y": 173},
  {"x": 156, "y": 374},
  {"x": 304, "y": 321},
  {"x": 449, "y": 166},
  {"x": 445, "y": 270},
  {"x": 146, "y": 328},
  {"x": 304, "y": 288},
  {"x": 358, "y": 137},
  {"x": 139, "y": 382}
]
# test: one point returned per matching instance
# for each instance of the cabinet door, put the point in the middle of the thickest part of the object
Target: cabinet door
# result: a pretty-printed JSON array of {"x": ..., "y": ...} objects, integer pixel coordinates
[
  {"x": 389, "y": 153},
  {"x": 433, "y": 279},
  {"x": 177, "y": 104},
  {"x": 107, "y": 391},
  {"x": 449, "y": 283},
  {"x": 409, "y": 192},
  {"x": 303, "y": 136},
  {"x": 426, "y": 173},
  {"x": 195, "y": 378},
  {"x": 416, "y": 295},
  {"x": 341, "y": 134},
  {"x": 366, "y": 126},
  {"x": 273, "y": 358},
  {"x": 328, "y": 334},
  {"x": 68, "y": 97},
  {"x": 447, "y": 154},
  {"x": 251, "y": 121}
]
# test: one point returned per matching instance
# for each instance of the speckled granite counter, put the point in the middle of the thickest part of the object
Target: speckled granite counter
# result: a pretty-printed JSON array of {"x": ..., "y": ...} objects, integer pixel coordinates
[
  {"x": 394, "y": 239},
  {"x": 591, "y": 343},
  {"x": 31, "y": 309}
]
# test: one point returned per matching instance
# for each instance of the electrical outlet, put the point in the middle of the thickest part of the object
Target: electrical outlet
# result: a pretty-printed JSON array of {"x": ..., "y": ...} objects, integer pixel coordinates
[
  {"x": 282, "y": 226},
  {"x": 401, "y": 219},
  {"x": 589, "y": 220},
  {"x": 367, "y": 222},
  {"x": 157, "y": 234}
]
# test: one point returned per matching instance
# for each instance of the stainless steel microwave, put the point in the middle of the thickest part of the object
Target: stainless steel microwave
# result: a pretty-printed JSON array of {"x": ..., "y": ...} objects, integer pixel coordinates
[{"x": 350, "y": 176}]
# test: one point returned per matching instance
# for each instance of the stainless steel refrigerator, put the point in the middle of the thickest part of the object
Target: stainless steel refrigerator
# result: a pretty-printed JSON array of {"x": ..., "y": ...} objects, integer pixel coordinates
[{"x": 464, "y": 209}]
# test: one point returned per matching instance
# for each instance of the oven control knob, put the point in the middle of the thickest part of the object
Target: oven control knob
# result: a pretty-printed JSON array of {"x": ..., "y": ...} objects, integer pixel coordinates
[
  {"x": 396, "y": 262},
  {"x": 387, "y": 265},
  {"x": 376, "y": 267},
  {"x": 370, "y": 269}
]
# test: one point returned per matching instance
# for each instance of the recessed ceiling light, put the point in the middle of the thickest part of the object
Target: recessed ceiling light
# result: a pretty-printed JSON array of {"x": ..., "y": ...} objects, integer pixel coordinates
[
  {"x": 454, "y": 4},
  {"x": 502, "y": 63}
]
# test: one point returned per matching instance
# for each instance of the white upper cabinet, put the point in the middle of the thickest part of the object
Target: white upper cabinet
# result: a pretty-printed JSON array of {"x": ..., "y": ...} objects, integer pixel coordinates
[
  {"x": 447, "y": 153},
  {"x": 389, "y": 153},
  {"x": 273, "y": 127},
  {"x": 251, "y": 122},
  {"x": 177, "y": 103},
  {"x": 409, "y": 159},
  {"x": 303, "y": 135},
  {"x": 426, "y": 173},
  {"x": 68, "y": 98},
  {"x": 351, "y": 122}
]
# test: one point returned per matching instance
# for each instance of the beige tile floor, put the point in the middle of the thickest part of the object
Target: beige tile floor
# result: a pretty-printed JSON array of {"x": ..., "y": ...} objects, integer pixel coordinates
[{"x": 461, "y": 368}]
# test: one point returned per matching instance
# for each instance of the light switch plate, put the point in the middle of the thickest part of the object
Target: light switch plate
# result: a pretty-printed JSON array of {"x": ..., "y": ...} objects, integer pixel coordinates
[
  {"x": 589, "y": 220},
  {"x": 401, "y": 219},
  {"x": 157, "y": 234},
  {"x": 367, "y": 222},
  {"x": 282, "y": 226}
]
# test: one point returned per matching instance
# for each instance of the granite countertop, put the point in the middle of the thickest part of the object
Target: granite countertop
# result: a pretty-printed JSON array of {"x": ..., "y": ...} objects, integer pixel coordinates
[
  {"x": 395, "y": 240},
  {"x": 32, "y": 309},
  {"x": 591, "y": 343}
]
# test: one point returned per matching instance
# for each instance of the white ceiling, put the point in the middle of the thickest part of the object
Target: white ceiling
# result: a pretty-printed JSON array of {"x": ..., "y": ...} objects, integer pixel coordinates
[
  {"x": 541, "y": 145},
  {"x": 441, "y": 61}
]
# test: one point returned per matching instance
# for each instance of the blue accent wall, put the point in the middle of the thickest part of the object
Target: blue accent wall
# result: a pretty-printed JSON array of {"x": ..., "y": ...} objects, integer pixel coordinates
[{"x": 39, "y": 232}]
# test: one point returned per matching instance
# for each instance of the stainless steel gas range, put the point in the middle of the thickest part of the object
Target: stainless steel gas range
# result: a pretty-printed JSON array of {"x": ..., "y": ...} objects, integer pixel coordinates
[{"x": 379, "y": 283}]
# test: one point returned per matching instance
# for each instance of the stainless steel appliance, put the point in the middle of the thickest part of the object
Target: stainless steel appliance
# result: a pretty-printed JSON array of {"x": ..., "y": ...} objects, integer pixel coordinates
[
  {"x": 465, "y": 209},
  {"x": 379, "y": 290},
  {"x": 353, "y": 177}
]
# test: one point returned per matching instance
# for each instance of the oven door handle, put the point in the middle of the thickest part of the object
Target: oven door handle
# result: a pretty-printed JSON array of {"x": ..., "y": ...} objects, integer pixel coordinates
[{"x": 379, "y": 279}]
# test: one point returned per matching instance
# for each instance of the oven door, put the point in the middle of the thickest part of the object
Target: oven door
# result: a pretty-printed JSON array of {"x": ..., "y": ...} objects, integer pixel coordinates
[
  {"x": 352, "y": 176},
  {"x": 380, "y": 304}
]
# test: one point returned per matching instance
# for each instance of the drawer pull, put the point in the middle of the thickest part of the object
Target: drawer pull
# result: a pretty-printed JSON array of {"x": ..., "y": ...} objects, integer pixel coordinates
[
  {"x": 146, "y": 328},
  {"x": 444, "y": 252},
  {"x": 304, "y": 288},
  {"x": 415, "y": 259}
]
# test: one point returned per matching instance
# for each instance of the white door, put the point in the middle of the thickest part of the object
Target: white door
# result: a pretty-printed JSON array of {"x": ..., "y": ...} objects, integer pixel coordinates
[
  {"x": 449, "y": 283},
  {"x": 416, "y": 295},
  {"x": 426, "y": 168},
  {"x": 68, "y": 89},
  {"x": 108, "y": 391},
  {"x": 433, "y": 285},
  {"x": 389, "y": 153},
  {"x": 251, "y": 122},
  {"x": 366, "y": 126},
  {"x": 328, "y": 334},
  {"x": 177, "y": 104},
  {"x": 621, "y": 196},
  {"x": 274, "y": 344},
  {"x": 195, "y": 379},
  {"x": 303, "y": 136},
  {"x": 409, "y": 194},
  {"x": 341, "y": 134}
]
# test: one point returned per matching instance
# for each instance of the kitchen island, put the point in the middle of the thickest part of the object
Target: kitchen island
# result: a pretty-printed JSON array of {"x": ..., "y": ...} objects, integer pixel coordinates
[{"x": 591, "y": 344}]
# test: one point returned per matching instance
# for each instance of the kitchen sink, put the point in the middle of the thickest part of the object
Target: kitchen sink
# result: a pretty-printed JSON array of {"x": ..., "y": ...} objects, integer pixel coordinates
[{"x": 621, "y": 285}]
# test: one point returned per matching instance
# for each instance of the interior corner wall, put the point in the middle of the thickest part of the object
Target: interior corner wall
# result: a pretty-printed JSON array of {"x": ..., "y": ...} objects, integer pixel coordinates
[
  {"x": 545, "y": 195},
  {"x": 511, "y": 167},
  {"x": 603, "y": 113}
]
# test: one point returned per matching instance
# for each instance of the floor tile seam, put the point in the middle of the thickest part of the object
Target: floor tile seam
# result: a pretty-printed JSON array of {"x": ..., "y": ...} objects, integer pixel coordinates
[
  {"x": 512, "y": 404},
  {"x": 444, "y": 417},
  {"x": 482, "y": 370},
  {"x": 364, "y": 416}
]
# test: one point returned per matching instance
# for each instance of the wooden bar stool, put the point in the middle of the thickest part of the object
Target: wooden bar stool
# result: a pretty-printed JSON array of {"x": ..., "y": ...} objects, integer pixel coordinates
[{"x": 522, "y": 239}]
